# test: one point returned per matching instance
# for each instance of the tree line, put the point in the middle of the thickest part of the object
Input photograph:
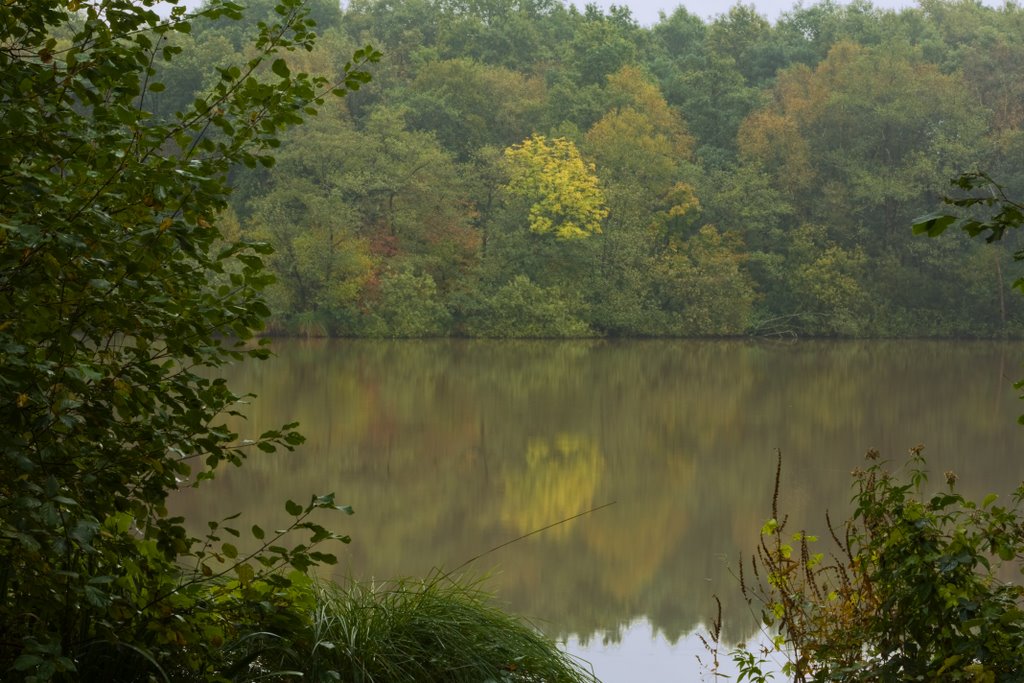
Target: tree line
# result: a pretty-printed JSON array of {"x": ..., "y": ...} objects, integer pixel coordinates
[{"x": 524, "y": 168}]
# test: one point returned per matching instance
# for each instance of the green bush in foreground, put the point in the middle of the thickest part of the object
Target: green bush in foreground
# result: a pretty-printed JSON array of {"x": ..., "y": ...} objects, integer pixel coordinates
[{"x": 913, "y": 589}]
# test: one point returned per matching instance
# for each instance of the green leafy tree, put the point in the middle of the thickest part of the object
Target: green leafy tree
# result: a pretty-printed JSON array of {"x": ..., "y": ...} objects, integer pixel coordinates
[
  {"x": 469, "y": 105},
  {"x": 748, "y": 39},
  {"x": 602, "y": 45},
  {"x": 641, "y": 149},
  {"x": 345, "y": 206},
  {"x": 815, "y": 283},
  {"x": 324, "y": 14},
  {"x": 321, "y": 263},
  {"x": 854, "y": 145},
  {"x": 117, "y": 295},
  {"x": 856, "y": 141},
  {"x": 702, "y": 286},
  {"x": 321, "y": 267},
  {"x": 716, "y": 99},
  {"x": 981, "y": 207},
  {"x": 807, "y": 33},
  {"x": 409, "y": 199},
  {"x": 509, "y": 33},
  {"x": 1000, "y": 212},
  {"x": 191, "y": 72}
]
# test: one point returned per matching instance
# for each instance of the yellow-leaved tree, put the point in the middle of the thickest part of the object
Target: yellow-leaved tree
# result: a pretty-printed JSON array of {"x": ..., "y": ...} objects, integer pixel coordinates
[{"x": 565, "y": 197}]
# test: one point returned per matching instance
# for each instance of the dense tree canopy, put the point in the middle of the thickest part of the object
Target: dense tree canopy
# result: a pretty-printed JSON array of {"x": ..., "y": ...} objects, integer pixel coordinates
[{"x": 756, "y": 178}]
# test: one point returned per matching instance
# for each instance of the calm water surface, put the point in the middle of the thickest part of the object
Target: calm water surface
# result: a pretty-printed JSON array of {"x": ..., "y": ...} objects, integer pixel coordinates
[{"x": 449, "y": 448}]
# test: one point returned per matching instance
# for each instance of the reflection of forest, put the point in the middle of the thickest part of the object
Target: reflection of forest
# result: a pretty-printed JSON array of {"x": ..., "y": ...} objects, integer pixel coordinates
[{"x": 448, "y": 448}]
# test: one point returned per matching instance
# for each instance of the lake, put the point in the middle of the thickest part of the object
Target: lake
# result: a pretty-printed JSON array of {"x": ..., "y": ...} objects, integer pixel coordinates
[{"x": 447, "y": 449}]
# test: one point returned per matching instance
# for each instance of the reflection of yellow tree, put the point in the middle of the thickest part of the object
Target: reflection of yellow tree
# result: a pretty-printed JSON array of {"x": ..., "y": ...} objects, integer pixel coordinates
[
  {"x": 633, "y": 548},
  {"x": 559, "y": 481}
]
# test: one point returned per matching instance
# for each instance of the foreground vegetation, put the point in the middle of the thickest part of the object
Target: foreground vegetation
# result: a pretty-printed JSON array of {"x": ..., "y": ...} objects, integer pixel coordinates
[
  {"x": 526, "y": 168},
  {"x": 422, "y": 632},
  {"x": 913, "y": 587},
  {"x": 435, "y": 630},
  {"x": 119, "y": 297}
]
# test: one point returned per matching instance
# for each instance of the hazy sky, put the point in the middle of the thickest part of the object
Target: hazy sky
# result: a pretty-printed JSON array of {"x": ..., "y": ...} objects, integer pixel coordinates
[{"x": 646, "y": 11}]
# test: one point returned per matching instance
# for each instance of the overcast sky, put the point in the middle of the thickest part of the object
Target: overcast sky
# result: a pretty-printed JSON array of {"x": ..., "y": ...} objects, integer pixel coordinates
[{"x": 646, "y": 11}]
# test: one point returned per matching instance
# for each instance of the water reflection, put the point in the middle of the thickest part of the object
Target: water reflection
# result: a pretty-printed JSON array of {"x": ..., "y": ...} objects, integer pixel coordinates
[{"x": 449, "y": 448}]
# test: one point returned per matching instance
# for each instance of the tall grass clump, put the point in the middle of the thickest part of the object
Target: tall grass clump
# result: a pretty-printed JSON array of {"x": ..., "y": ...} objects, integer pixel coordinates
[{"x": 421, "y": 631}]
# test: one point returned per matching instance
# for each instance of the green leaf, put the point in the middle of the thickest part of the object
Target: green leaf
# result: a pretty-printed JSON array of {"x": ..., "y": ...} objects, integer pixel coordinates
[
  {"x": 280, "y": 67},
  {"x": 119, "y": 522},
  {"x": 26, "y": 662},
  {"x": 258, "y": 532},
  {"x": 96, "y": 597},
  {"x": 324, "y": 558},
  {"x": 245, "y": 574},
  {"x": 293, "y": 508},
  {"x": 933, "y": 224}
]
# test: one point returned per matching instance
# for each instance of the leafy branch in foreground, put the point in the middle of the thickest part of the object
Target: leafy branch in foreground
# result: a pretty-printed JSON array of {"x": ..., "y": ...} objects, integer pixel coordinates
[
  {"x": 912, "y": 588},
  {"x": 119, "y": 298},
  {"x": 999, "y": 212}
]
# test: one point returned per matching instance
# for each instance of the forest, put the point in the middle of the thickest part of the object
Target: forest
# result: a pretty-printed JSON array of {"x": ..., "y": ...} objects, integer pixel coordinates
[{"x": 521, "y": 168}]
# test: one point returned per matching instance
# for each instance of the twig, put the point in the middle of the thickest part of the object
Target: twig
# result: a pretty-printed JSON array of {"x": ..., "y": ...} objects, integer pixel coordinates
[{"x": 527, "y": 535}]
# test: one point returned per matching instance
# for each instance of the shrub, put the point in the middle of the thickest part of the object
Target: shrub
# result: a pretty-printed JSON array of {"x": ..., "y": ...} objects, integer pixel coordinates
[
  {"x": 912, "y": 590},
  {"x": 522, "y": 309},
  {"x": 407, "y": 306}
]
